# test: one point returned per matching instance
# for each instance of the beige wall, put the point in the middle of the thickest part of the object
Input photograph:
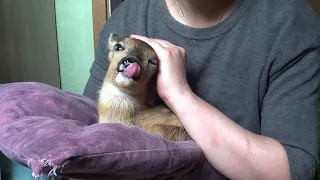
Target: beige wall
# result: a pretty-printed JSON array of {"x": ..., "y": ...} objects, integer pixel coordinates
[{"x": 28, "y": 41}]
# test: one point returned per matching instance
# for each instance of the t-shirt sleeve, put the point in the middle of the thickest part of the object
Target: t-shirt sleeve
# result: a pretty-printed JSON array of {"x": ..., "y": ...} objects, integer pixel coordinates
[
  {"x": 290, "y": 115},
  {"x": 290, "y": 106},
  {"x": 97, "y": 70}
]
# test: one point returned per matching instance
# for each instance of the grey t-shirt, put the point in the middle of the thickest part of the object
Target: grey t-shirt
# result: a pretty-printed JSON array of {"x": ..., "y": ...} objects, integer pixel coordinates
[{"x": 260, "y": 67}]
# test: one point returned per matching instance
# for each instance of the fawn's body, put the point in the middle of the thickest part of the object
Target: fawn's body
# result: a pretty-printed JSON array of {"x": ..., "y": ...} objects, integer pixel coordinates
[{"x": 124, "y": 95}]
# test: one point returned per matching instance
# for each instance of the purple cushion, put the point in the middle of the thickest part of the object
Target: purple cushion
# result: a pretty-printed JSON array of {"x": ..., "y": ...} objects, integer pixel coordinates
[{"x": 55, "y": 132}]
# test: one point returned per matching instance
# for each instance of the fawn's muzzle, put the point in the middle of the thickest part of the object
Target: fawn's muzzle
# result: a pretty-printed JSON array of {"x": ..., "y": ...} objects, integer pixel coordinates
[{"x": 130, "y": 67}]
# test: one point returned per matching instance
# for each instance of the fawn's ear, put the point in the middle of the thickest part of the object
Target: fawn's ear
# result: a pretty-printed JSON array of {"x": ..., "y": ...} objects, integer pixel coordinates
[{"x": 113, "y": 40}]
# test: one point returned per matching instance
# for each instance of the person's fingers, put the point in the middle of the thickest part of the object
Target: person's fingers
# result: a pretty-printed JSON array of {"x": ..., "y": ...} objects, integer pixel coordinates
[
  {"x": 173, "y": 47},
  {"x": 163, "y": 43},
  {"x": 148, "y": 40},
  {"x": 162, "y": 47},
  {"x": 168, "y": 44},
  {"x": 137, "y": 36},
  {"x": 143, "y": 38},
  {"x": 153, "y": 43}
]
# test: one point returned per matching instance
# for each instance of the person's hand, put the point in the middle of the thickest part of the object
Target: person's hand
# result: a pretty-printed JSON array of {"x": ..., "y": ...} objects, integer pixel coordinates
[{"x": 171, "y": 80}]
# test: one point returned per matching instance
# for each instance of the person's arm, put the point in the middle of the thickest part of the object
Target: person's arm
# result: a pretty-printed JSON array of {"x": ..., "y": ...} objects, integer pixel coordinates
[{"x": 233, "y": 150}]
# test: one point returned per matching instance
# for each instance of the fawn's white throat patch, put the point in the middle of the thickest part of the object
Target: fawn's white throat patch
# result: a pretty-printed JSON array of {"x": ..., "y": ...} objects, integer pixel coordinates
[
  {"x": 124, "y": 80},
  {"x": 119, "y": 102}
]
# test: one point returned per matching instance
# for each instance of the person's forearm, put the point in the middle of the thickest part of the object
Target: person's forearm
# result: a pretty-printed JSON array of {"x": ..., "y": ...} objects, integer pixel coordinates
[{"x": 231, "y": 149}]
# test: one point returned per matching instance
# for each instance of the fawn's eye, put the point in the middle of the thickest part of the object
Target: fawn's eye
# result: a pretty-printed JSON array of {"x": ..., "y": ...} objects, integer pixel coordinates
[
  {"x": 118, "y": 47},
  {"x": 153, "y": 62}
]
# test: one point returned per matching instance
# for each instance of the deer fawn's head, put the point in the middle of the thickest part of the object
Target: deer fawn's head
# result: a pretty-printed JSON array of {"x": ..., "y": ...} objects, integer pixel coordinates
[{"x": 132, "y": 63}]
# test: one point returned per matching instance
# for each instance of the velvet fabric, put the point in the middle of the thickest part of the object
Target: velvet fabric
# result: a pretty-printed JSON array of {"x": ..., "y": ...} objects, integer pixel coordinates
[{"x": 55, "y": 132}]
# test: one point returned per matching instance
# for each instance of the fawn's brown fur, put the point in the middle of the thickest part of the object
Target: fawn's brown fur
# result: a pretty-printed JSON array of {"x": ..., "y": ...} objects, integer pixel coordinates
[{"x": 123, "y": 98}]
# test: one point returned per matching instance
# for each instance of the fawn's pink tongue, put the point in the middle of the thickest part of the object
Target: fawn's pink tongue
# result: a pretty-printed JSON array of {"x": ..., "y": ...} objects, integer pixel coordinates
[{"x": 133, "y": 70}]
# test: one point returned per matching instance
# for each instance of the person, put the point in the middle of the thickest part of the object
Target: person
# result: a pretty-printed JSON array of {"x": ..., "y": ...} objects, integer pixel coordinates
[{"x": 241, "y": 75}]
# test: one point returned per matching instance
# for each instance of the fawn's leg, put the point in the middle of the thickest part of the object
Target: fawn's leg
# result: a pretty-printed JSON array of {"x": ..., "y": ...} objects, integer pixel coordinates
[{"x": 162, "y": 121}]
